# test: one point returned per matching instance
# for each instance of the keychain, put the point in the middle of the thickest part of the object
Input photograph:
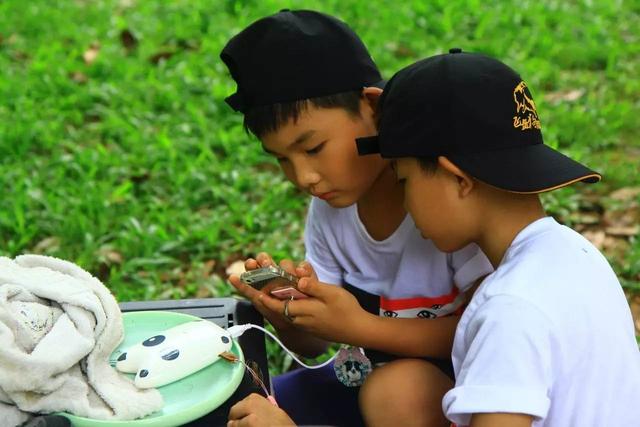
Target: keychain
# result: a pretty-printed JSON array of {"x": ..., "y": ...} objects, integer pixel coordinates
[
  {"x": 349, "y": 363},
  {"x": 351, "y": 366}
]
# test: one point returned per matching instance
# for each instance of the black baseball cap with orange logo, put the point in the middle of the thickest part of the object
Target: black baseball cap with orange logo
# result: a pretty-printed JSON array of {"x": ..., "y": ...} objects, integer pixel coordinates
[
  {"x": 295, "y": 55},
  {"x": 477, "y": 112}
]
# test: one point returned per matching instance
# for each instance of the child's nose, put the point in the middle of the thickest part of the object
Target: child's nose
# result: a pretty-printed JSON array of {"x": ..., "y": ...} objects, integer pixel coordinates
[{"x": 307, "y": 177}]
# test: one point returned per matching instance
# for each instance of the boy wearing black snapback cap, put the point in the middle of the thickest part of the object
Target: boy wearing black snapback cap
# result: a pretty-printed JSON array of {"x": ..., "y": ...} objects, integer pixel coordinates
[
  {"x": 307, "y": 88},
  {"x": 548, "y": 338}
]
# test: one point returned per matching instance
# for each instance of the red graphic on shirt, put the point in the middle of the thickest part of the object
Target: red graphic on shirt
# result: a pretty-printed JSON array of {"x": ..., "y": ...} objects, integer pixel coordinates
[{"x": 423, "y": 307}]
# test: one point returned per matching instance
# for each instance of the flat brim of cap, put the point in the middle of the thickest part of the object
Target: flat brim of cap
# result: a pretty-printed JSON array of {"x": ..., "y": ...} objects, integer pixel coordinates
[{"x": 528, "y": 170}]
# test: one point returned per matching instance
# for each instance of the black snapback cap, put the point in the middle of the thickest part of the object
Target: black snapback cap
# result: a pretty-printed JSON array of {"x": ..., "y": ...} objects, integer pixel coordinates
[
  {"x": 477, "y": 112},
  {"x": 295, "y": 55}
]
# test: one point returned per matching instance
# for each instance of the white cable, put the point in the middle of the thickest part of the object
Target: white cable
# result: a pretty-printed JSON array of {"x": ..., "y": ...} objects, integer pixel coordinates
[{"x": 238, "y": 330}]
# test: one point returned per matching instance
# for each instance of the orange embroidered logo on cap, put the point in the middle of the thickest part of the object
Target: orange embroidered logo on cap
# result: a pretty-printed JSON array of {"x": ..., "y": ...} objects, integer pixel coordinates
[{"x": 526, "y": 115}]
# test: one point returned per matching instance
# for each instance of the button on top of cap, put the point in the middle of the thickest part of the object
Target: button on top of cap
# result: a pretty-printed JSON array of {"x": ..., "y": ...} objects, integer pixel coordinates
[
  {"x": 285, "y": 10},
  {"x": 455, "y": 50}
]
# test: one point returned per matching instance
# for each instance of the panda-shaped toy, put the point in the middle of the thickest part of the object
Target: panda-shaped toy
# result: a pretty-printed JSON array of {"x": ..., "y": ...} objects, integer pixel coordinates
[{"x": 174, "y": 353}]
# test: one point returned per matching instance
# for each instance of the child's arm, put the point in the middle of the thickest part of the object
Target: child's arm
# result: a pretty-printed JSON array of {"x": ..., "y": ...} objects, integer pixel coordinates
[
  {"x": 334, "y": 314},
  {"x": 501, "y": 420},
  {"x": 410, "y": 337}
]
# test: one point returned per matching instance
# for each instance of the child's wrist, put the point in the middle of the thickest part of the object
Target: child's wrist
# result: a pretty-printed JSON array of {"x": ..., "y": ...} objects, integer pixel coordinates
[{"x": 364, "y": 324}]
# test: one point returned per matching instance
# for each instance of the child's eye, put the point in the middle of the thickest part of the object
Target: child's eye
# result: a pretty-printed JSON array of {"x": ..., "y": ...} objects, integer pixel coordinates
[
  {"x": 401, "y": 181},
  {"x": 316, "y": 149}
]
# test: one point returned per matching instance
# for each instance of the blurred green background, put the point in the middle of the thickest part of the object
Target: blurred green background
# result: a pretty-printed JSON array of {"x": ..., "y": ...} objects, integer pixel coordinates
[{"x": 117, "y": 151}]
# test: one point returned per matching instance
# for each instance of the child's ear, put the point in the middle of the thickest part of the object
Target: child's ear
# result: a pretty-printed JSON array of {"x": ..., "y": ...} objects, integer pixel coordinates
[
  {"x": 465, "y": 182},
  {"x": 371, "y": 96}
]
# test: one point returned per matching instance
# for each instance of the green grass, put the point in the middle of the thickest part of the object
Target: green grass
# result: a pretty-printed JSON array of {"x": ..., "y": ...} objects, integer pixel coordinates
[{"x": 138, "y": 171}]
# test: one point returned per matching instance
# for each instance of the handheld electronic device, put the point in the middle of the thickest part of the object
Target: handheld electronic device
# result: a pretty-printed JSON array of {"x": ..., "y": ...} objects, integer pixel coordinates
[{"x": 280, "y": 284}]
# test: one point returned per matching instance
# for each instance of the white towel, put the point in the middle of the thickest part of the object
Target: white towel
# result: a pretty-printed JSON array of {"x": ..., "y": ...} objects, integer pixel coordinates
[{"x": 58, "y": 327}]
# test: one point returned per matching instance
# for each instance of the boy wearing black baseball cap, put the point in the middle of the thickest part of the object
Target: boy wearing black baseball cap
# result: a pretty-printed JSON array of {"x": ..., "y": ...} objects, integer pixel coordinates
[
  {"x": 307, "y": 88},
  {"x": 548, "y": 338}
]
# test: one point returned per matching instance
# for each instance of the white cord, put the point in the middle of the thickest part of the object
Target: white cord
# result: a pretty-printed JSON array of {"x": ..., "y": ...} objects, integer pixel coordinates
[{"x": 238, "y": 330}]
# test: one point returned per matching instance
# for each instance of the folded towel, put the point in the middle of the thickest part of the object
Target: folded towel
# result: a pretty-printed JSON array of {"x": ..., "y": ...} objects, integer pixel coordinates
[{"x": 58, "y": 327}]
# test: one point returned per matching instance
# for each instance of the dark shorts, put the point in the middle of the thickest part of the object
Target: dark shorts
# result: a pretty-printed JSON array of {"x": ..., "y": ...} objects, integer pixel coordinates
[{"x": 316, "y": 397}]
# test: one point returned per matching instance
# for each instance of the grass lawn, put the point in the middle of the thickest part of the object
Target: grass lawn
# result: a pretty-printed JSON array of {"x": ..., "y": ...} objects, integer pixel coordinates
[{"x": 117, "y": 151}]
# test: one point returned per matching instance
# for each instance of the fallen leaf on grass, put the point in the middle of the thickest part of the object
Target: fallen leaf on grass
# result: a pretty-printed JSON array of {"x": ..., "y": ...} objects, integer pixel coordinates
[
  {"x": 20, "y": 55},
  {"x": 566, "y": 95},
  {"x": 47, "y": 245},
  {"x": 78, "y": 77},
  {"x": 596, "y": 237},
  {"x": 586, "y": 218},
  {"x": 128, "y": 40},
  {"x": 634, "y": 305},
  {"x": 91, "y": 54},
  {"x": 110, "y": 256},
  {"x": 188, "y": 44},
  {"x": 622, "y": 231},
  {"x": 139, "y": 178},
  {"x": 615, "y": 245},
  {"x": 624, "y": 217},
  {"x": 626, "y": 194},
  {"x": 400, "y": 50},
  {"x": 160, "y": 56}
]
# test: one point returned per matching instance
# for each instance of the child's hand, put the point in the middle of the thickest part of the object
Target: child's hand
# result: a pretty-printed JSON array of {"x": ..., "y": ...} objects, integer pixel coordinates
[
  {"x": 256, "y": 411},
  {"x": 332, "y": 313},
  {"x": 263, "y": 259}
]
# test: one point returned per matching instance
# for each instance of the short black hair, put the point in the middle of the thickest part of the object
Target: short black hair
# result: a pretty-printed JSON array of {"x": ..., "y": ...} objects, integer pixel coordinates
[
  {"x": 428, "y": 164},
  {"x": 269, "y": 118}
]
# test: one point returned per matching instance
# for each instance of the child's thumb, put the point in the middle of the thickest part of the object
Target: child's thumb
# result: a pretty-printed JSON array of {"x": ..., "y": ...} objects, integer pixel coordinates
[
  {"x": 310, "y": 286},
  {"x": 305, "y": 269}
]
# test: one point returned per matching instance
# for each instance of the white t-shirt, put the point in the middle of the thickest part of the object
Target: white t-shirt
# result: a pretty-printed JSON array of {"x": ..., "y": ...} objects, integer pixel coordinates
[
  {"x": 408, "y": 274},
  {"x": 548, "y": 334}
]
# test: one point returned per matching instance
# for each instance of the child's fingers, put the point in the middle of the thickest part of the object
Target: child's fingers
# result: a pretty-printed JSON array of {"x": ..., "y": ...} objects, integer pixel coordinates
[
  {"x": 234, "y": 279},
  {"x": 288, "y": 266},
  {"x": 250, "y": 264},
  {"x": 264, "y": 259},
  {"x": 252, "y": 294},
  {"x": 304, "y": 269},
  {"x": 313, "y": 288},
  {"x": 296, "y": 309},
  {"x": 243, "y": 288},
  {"x": 243, "y": 408},
  {"x": 272, "y": 304}
]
